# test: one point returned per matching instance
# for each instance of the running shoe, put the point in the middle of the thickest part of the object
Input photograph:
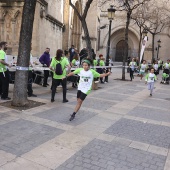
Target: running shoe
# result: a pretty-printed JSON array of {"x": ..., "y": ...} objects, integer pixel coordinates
[{"x": 72, "y": 117}]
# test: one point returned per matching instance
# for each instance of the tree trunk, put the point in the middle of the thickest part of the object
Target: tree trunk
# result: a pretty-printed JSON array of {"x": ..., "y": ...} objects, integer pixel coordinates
[
  {"x": 126, "y": 45},
  {"x": 87, "y": 38},
  {"x": 140, "y": 40},
  {"x": 153, "y": 47},
  {"x": 21, "y": 76}
]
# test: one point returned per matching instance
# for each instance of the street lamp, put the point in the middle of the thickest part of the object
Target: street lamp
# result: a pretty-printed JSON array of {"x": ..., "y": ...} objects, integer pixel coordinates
[
  {"x": 159, "y": 46},
  {"x": 145, "y": 32},
  {"x": 111, "y": 14}
]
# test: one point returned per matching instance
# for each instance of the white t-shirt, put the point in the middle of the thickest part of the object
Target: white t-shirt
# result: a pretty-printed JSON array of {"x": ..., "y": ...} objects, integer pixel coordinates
[
  {"x": 155, "y": 66},
  {"x": 143, "y": 67},
  {"x": 86, "y": 79},
  {"x": 150, "y": 78}
]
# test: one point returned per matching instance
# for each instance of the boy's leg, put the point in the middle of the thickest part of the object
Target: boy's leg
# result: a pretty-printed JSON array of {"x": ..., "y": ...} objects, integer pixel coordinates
[{"x": 151, "y": 88}]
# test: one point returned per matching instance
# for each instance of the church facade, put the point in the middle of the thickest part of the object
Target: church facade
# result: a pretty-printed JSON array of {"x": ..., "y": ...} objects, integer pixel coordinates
[{"x": 56, "y": 25}]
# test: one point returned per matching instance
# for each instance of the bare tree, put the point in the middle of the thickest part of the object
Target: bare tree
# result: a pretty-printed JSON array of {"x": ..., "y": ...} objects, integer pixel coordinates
[
  {"x": 129, "y": 6},
  {"x": 21, "y": 76},
  {"x": 82, "y": 18},
  {"x": 155, "y": 24}
]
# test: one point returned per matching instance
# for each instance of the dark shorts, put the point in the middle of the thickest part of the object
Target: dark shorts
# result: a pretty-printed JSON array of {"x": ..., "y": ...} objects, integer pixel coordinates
[{"x": 81, "y": 95}]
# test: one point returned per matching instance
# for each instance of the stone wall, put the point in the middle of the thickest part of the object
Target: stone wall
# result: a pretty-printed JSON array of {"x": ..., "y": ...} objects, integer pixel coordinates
[{"x": 47, "y": 30}]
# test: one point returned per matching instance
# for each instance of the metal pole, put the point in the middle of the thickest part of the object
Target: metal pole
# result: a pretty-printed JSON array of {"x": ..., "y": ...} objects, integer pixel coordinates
[
  {"x": 108, "y": 44},
  {"x": 158, "y": 52}
]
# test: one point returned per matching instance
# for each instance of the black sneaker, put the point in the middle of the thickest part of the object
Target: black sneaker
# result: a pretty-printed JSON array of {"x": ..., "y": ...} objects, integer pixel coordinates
[
  {"x": 65, "y": 101},
  {"x": 72, "y": 117},
  {"x": 7, "y": 98},
  {"x": 52, "y": 100},
  {"x": 150, "y": 94},
  {"x": 32, "y": 95},
  {"x": 44, "y": 85}
]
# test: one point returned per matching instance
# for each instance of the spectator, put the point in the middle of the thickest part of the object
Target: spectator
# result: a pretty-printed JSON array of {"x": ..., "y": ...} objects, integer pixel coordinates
[
  {"x": 71, "y": 52},
  {"x": 4, "y": 73},
  {"x": 45, "y": 61}
]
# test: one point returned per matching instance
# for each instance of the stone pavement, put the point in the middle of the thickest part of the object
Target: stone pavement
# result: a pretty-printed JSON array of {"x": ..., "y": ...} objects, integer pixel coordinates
[{"x": 119, "y": 127}]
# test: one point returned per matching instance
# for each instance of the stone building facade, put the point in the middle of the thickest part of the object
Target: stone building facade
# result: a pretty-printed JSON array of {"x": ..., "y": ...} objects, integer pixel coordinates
[
  {"x": 56, "y": 25},
  {"x": 118, "y": 38}
]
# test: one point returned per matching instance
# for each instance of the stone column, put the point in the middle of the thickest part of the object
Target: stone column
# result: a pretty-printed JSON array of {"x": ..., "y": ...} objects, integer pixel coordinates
[{"x": 66, "y": 12}]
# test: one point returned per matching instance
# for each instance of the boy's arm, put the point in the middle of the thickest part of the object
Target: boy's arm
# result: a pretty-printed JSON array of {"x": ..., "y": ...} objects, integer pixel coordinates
[
  {"x": 146, "y": 77},
  {"x": 105, "y": 74}
]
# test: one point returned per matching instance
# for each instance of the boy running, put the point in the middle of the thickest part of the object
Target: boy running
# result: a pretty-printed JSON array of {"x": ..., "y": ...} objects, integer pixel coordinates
[
  {"x": 150, "y": 79},
  {"x": 84, "y": 87}
]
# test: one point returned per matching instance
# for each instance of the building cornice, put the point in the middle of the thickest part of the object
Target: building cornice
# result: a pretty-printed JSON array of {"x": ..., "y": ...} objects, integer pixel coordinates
[{"x": 55, "y": 21}]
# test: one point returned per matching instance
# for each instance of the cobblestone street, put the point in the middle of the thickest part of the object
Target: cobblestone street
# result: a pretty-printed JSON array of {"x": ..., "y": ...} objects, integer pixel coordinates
[{"x": 119, "y": 127}]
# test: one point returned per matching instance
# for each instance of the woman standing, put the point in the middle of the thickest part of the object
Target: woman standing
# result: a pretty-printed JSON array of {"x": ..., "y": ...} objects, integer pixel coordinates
[{"x": 58, "y": 66}]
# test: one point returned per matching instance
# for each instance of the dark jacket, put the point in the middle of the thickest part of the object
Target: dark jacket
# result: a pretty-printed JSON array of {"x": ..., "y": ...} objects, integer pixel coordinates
[{"x": 45, "y": 59}]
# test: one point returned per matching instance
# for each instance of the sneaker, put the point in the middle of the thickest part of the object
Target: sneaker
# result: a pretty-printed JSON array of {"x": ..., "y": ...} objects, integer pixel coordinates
[
  {"x": 44, "y": 85},
  {"x": 7, "y": 98},
  {"x": 102, "y": 82},
  {"x": 52, "y": 100},
  {"x": 150, "y": 94},
  {"x": 65, "y": 101},
  {"x": 32, "y": 95},
  {"x": 47, "y": 84},
  {"x": 72, "y": 117}
]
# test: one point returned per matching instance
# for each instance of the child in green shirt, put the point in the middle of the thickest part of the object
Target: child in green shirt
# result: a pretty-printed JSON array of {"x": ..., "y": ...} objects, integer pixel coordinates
[{"x": 85, "y": 84}]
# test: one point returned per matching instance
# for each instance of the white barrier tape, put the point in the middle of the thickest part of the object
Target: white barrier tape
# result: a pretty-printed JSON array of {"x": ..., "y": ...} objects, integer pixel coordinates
[
  {"x": 22, "y": 68},
  {"x": 46, "y": 68}
]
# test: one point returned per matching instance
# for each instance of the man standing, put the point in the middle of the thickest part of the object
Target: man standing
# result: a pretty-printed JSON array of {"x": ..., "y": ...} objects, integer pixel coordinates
[
  {"x": 4, "y": 73},
  {"x": 72, "y": 52},
  {"x": 30, "y": 78},
  {"x": 45, "y": 61}
]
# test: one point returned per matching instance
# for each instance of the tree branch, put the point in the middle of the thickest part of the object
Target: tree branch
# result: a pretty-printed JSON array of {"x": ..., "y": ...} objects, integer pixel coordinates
[
  {"x": 87, "y": 6},
  {"x": 76, "y": 10}
]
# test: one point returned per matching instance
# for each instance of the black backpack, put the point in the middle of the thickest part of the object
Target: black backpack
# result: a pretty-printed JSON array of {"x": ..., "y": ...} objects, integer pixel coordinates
[
  {"x": 98, "y": 62},
  {"x": 58, "y": 69}
]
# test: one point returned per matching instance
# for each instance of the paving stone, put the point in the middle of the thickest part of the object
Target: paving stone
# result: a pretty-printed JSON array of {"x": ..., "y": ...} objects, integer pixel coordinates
[
  {"x": 131, "y": 159},
  {"x": 62, "y": 115},
  {"x": 156, "y": 103},
  {"x": 96, "y": 103},
  {"x": 3, "y": 115},
  {"x": 143, "y": 132},
  {"x": 21, "y": 136},
  {"x": 150, "y": 113},
  {"x": 111, "y": 96}
]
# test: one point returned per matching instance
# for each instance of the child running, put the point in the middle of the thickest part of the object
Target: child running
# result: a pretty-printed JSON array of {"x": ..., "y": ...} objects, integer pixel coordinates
[
  {"x": 143, "y": 68},
  {"x": 150, "y": 79},
  {"x": 84, "y": 87}
]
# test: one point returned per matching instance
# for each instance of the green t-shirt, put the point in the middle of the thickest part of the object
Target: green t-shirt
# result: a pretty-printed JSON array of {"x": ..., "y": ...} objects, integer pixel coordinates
[
  {"x": 64, "y": 63},
  {"x": 86, "y": 79},
  {"x": 101, "y": 63},
  {"x": 94, "y": 62},
  {"x": 2, "y": 57}
]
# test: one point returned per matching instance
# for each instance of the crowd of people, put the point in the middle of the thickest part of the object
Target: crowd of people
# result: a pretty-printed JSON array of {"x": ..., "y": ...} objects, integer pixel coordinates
[
  {"x": 151, "y": 71},
  {"x": 70, "y": 65}
]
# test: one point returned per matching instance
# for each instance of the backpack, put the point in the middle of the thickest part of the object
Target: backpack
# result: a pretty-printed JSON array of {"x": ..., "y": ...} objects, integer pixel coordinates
[
  {"x": 58, "y": 69},
  {"x": 98, "y": 62}
]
